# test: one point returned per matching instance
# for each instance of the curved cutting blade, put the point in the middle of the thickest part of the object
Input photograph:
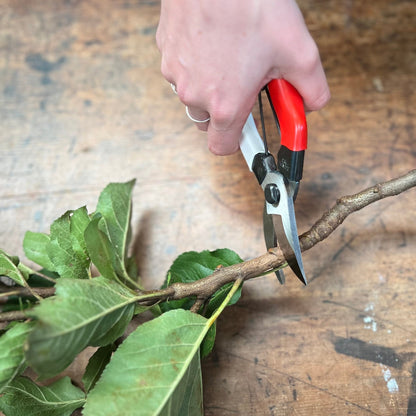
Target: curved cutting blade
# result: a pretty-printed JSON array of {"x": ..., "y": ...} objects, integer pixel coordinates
[{"x": 284, "y": 225}]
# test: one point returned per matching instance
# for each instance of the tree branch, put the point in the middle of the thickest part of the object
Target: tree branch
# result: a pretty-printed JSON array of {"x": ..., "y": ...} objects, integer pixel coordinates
[
  {"x": 204, "y": 288},
  {"x": 274, "y": 258},
  {"x": 43, "y": 292},
  {"x": 346, "y": 205},
  {"x": 12, "y": 316}
]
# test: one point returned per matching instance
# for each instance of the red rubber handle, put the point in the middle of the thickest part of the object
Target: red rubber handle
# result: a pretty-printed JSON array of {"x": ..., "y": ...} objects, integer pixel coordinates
[{"x": 288, "y": 105}]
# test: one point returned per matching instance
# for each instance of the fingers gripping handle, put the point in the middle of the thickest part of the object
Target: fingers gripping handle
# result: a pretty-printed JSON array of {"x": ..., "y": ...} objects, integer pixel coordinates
[{"x": 288, "y": 106}]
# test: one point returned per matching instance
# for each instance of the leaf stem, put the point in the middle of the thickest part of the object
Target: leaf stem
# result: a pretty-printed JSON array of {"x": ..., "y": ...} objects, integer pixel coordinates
[
  {"x": 225, "y": 302},
  {"x": 43, "y": 276}
]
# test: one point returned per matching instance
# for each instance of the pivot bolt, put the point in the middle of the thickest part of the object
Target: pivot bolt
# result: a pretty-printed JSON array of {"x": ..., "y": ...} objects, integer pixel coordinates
[{"x": 272, "y": 194}]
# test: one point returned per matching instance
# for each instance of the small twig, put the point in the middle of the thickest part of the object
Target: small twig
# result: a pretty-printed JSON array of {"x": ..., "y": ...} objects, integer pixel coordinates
[
  {"x": 346, "y": 205},
  {"x": 42, "y": 292},
  {"x": 12, "y": 316},
  {"x": 197, "y": 305}
]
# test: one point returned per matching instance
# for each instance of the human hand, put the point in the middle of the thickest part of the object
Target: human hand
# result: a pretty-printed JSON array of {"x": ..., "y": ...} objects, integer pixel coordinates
[{"x": 219, "y": 54}]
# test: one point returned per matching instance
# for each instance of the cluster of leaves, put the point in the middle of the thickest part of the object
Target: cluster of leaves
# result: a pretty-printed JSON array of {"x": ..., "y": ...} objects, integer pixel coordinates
[{"x": 154, "y": 371}]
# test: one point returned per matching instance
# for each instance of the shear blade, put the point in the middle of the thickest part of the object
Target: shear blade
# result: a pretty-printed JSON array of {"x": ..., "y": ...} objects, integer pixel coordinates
[
  {"x": 270, "y": 239},
  {"x": 284, "y": 224},
  {"x": 292, "y": 254}
]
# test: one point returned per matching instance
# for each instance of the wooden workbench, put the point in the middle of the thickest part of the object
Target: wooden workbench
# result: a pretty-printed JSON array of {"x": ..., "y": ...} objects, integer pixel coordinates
[{"x": 82, "y": 104}]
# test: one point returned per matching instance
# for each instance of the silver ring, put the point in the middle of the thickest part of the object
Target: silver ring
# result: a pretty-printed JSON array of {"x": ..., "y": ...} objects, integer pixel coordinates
[
  {"x": 173, "y": 86},
  {"x": 194, "y": 119}
]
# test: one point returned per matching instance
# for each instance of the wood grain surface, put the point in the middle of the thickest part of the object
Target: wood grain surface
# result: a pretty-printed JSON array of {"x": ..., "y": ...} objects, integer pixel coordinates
[{"x": 83, "y": 103}]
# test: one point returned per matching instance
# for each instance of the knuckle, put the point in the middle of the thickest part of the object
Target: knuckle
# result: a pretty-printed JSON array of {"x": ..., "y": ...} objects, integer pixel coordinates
[
  {"x": 184, "y": 93},
  {"x": 321, "y": 100},
  {"x": 308, "y": 58},
  {"x": 223, "y": 116},
  {"x": 164, "y": 69}
]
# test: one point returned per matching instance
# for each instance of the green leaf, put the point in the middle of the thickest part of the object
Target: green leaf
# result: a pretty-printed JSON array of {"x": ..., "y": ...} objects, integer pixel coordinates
[
  {"x": 23, "y": 397},
  {"x": 96, "y": 365},
  {"x": 149, "y": 366},
  {"x": 43, "y": 278},
  {"x": 115, "y": 206},
  {"x": 100, "y": 249},
  {"x": 17, "y": 303},
  {"x": 82, "y": 313},
  {"x": 79, "y": 222},
  {"x": 67, "y": 261},
  {"x": 12, "y": 359},
  {"x": 192, "y": 266},
  {"x": 132, "y": 270},
  {"x": 35, "y": 248},
  {"x": 209, "y": 341},
  {"x": 64, "y": 251},
  {"x": 9, "y": 267},
  {"x": 187, "y": 398},
  {"x": 117, "y": 330},
  {"x": 156, "y": 370}
]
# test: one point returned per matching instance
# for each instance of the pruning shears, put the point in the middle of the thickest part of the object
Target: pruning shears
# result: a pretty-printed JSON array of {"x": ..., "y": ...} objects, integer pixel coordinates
[{"x": 280, "y": 182}]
